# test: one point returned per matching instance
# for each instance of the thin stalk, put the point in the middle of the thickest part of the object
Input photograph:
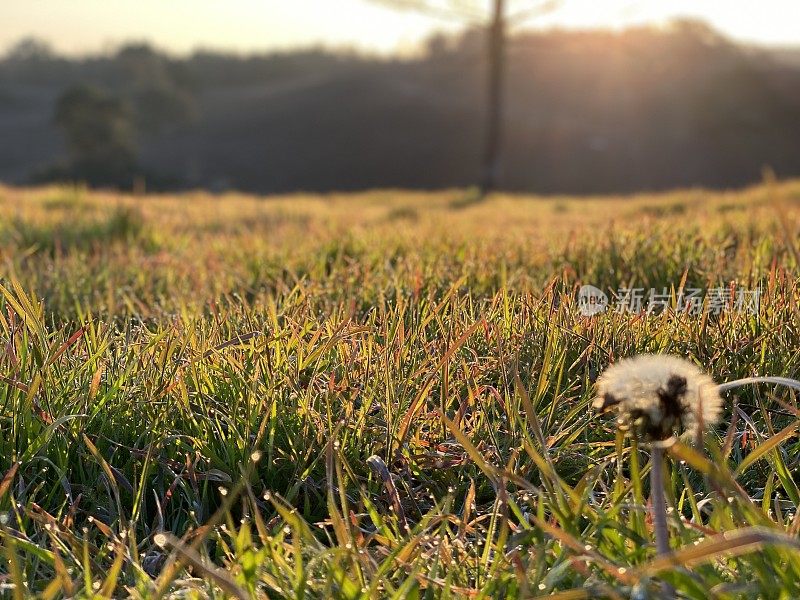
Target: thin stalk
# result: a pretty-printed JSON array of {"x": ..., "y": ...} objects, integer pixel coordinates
[
  {"x": 659, "y": 504},
  {"x": 657, "y": 500},
  {"x": 792, "y": 383}
]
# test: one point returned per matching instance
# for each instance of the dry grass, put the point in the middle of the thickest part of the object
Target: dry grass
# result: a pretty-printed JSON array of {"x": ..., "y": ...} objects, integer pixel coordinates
[{"x": 192, "y": 387}]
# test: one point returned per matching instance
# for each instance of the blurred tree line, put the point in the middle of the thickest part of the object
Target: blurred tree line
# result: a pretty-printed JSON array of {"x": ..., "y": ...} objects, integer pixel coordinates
[
  {"x": 106, "y": 105},
  {"x": 586, "y": 112}
]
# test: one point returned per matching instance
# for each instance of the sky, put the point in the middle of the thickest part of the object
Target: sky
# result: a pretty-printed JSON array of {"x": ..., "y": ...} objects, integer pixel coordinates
[{"x": 88, "y": 26}]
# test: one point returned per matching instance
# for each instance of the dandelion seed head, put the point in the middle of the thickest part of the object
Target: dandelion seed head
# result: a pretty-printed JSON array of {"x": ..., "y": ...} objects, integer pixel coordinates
[{"x": 657, "y": 394}]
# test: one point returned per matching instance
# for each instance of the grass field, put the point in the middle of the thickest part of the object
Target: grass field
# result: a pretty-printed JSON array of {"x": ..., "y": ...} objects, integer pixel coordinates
[{"x": 191, "y": 387}]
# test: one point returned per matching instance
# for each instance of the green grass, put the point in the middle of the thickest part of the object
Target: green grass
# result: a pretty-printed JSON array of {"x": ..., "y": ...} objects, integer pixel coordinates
[{"x": 192, "y": 387}]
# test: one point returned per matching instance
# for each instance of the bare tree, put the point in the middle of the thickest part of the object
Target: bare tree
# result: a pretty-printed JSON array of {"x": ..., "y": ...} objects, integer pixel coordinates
[{"x": 497, "y": 23}]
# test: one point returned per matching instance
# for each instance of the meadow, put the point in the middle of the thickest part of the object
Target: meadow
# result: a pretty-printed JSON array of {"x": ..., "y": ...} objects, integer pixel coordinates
[{"x": 386, "y": 394}]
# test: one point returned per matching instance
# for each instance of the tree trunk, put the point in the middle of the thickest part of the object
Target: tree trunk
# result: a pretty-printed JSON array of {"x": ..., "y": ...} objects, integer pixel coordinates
[{"x": 494, "y": 109}]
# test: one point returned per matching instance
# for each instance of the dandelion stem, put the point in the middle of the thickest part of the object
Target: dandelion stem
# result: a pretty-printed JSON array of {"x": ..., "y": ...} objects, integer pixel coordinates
[
  {"x": 657, "y": 500},
  {"x": 659, "y": 508}
]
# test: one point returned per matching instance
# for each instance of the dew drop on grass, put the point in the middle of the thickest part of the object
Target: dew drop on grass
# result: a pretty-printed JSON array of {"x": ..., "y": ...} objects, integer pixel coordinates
[{"x": 267, "y": 496}]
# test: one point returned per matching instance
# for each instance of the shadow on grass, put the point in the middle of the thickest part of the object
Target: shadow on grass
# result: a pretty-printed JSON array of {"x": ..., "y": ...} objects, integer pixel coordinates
[
  {"x": 471, "y": 197},
  {"x": 123, "y": 224}
]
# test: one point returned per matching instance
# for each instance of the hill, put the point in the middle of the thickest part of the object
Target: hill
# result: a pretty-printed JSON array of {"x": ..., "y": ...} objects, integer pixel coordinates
[{"x": 589, "y": 112}]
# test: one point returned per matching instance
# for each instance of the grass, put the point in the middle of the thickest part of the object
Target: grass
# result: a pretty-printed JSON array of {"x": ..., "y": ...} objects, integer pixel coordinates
[{"x": 384, "y": 395}]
